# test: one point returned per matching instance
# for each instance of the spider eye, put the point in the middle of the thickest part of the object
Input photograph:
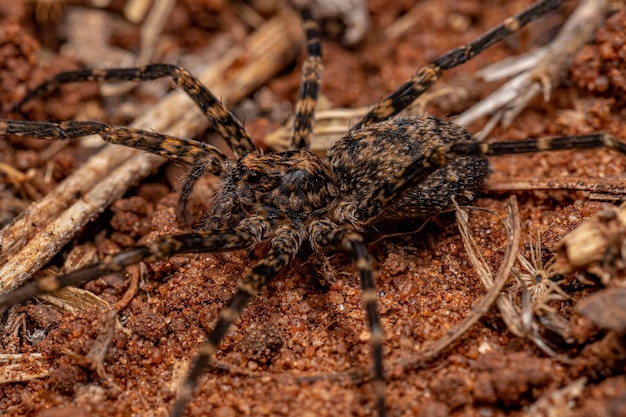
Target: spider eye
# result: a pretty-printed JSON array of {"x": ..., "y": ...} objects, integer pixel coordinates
[
  {"x": 252, "y": 177},
  {"x": 248, "y": 175}
]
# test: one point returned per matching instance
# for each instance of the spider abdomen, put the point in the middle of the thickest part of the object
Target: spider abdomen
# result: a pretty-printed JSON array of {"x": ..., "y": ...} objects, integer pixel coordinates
[{"x": 369, "y": 158}]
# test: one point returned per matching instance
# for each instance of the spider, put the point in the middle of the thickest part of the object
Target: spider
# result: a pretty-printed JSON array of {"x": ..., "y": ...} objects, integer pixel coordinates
[{"x": 384, "y": 169}]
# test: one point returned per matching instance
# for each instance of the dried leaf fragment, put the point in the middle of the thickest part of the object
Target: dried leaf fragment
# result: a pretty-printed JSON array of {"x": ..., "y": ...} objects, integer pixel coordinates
[{"x": 598, "y": 245}]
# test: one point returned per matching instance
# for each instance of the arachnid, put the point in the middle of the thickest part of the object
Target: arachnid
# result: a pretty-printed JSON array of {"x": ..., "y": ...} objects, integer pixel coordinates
[{"x": 384, "y": 169}]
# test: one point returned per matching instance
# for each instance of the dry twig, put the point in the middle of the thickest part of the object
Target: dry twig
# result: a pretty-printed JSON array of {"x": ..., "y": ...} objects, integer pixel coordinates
[
  {"x": 545, "y": 71},
  {"x": 494, "y": 285},
  {"x": 597, "y": 245},
  {"x": 611, "y": 189},
  {"x": 22, "y": 367}
]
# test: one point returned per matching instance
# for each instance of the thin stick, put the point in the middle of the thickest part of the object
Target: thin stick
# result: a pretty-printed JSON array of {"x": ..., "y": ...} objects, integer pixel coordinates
[
  {"x": 606, "y": 186},
  {"x": 502, "y": 276}
]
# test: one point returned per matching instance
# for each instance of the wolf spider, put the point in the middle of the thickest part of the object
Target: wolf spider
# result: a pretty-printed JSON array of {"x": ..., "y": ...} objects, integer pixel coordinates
[{"x": 382, "y": 170}]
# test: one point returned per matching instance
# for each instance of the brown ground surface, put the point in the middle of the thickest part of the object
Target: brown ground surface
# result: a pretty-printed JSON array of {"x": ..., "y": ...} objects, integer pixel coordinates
[{"x": 310, "y": 322}]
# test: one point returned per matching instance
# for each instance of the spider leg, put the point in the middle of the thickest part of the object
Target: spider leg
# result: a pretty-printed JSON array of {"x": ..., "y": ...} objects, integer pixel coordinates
[
  {"x": 305, "y": 106},
  {"x": 309, "y": 86},
  {"x": 284, "y": 247},
  {"x": 439, "y": 156},
  {"x": 224, "y": 122},
  {"x": 327, "y": 237},
  {"x": 242, "y": 237},
  {"x": 196, "y": 172},
  {"x": 186, "y": 150},
  {"x": 426, "y": 76}
]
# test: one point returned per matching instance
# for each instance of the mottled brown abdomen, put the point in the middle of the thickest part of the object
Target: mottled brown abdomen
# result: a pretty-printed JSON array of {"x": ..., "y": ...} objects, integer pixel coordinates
[{"x": 367, "y": 159}]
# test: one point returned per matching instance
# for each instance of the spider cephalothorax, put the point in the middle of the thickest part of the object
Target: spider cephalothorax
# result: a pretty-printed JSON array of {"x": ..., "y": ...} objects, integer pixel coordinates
[
  {"x": 292, "y": 182},
  {"x": 289, "y": 184},
  {"x": 384, "y": 169}
]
